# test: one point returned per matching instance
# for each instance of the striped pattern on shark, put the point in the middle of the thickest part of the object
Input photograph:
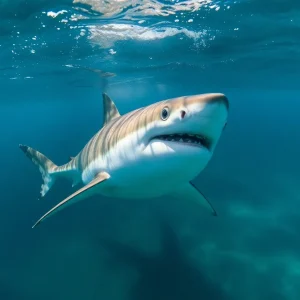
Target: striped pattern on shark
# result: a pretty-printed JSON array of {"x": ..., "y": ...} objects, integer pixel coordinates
[{"x": 144, "y": 153}]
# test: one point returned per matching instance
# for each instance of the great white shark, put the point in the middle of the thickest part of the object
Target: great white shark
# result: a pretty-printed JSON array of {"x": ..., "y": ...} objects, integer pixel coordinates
[{"x": 147, "y": 153}]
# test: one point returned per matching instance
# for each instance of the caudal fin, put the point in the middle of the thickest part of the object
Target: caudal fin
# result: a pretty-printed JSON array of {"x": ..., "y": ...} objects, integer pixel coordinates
[{"x": 45, "y": 165}]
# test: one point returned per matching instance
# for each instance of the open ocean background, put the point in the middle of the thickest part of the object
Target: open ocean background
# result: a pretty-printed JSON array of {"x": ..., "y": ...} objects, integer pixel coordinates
[{"x": 58, "y": 56}]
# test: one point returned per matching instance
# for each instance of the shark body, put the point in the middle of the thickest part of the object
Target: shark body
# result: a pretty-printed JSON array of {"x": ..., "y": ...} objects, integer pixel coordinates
[{"x": 150, "y": 152}]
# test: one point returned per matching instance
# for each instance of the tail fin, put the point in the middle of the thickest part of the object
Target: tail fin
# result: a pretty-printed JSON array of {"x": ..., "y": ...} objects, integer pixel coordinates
[{"x": 45, "y": 165}]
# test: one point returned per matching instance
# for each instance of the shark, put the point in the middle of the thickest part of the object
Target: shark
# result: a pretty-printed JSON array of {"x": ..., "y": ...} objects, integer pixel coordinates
[{"x": 150, "y": 152}]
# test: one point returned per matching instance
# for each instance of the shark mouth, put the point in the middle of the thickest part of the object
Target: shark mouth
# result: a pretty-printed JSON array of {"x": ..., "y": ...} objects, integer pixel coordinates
[{"x": 187, "y": 139}]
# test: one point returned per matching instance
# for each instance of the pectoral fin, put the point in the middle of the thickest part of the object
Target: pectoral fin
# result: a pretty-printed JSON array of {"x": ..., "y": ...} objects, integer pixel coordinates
[
  {"x": 190, "y": 192},
  {"x": 81, "y": 194}
]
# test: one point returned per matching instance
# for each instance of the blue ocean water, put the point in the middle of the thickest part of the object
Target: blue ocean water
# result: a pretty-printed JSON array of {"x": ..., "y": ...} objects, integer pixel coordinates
[{"x": 57, "y": 57}]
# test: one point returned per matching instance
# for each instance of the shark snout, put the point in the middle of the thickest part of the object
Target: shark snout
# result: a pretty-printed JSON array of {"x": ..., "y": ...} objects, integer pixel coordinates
[
  {"x": 213, "y": 106},
  {"x": 203, "y": 100},
  {"x": 205, "y": 115},
  {"x": 217, "y": 98}
]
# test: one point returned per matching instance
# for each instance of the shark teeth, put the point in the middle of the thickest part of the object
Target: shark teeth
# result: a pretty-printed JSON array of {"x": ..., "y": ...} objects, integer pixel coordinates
[{"x": 195, "y": 139}]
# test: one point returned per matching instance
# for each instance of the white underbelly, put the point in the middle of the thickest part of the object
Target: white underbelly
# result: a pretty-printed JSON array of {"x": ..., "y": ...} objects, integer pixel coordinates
[
  {"x": 135, "y": 185},
  {"x": 150, "y": 176}
]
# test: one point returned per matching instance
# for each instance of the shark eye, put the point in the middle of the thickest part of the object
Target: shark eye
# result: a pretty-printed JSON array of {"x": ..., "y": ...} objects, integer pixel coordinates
[{"x": 164, "y": 113}]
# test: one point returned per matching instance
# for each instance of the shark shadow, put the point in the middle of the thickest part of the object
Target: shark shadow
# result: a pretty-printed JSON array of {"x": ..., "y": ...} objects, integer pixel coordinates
[{"x": 170, "y": 274}]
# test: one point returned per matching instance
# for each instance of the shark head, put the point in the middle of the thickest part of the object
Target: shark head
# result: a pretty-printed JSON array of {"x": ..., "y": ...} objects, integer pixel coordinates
[
  {"x": 191, "y": 123},
  {"x": 186, "y": 130}
]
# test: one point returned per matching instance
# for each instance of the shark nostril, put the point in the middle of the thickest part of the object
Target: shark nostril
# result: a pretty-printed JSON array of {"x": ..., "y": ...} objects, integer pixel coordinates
[{"x": 182, "y": 113}]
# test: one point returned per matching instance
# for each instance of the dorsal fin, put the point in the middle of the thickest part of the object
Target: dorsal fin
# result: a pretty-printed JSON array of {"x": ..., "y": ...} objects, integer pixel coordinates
[{"x": 110, "y": 110}]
